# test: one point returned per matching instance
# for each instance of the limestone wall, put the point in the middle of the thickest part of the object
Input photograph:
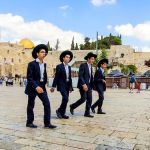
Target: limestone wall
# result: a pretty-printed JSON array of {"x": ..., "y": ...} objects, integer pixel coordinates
[{"x": 14, "y": 58}]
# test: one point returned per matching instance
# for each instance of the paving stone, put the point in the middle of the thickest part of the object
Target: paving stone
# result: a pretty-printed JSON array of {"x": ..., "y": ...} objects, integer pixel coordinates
[{"x": 124, "y": 127}]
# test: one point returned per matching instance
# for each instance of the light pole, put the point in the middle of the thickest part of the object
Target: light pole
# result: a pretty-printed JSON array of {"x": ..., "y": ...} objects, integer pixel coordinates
[{"x": 96, "y": 43}]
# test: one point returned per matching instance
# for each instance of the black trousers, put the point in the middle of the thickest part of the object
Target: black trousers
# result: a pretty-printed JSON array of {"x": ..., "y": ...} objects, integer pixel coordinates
[
  {"x": 65, "y": 99},
  {"x": 46, "y": 103},
  {"x": 85, "y": 96},
  {"x": 99, "y": 102}
]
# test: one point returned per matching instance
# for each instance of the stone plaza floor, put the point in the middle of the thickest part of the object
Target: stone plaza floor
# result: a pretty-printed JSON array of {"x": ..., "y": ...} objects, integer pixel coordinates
[{"x": 126, "y": 126}]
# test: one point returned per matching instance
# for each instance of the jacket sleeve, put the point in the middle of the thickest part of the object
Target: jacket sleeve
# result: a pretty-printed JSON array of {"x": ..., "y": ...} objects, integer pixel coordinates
[
  {"x": 81, "y": 74},
  {"x": 45, "y": 74},
  {"x": 55, "y": 81},
  {"x": 30, "y": 79},
  {"x": 98, "y": 77},
  {"x": 71, "y": 87}
]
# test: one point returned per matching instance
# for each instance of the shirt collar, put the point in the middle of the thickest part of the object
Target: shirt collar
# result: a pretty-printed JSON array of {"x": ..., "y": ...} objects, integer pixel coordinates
[
  {"x": 89, "y": 64},
  {"x": 65, "y": 64},
  {"x": 37, "y": 60},
  {"x": 102, "y": 70}
]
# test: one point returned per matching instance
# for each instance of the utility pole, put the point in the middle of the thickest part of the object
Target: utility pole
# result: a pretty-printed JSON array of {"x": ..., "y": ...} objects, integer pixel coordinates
[{"x": 96, "y": 43}]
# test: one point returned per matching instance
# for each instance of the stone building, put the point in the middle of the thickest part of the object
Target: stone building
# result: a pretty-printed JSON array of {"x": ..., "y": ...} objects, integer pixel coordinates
[{"x": 14, "y": 58}]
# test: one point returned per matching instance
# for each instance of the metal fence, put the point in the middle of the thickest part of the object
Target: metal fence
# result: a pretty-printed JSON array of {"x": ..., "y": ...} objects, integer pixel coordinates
[
  {"x": 123, "y": 82},
  {"x": 118, "y": 82}
]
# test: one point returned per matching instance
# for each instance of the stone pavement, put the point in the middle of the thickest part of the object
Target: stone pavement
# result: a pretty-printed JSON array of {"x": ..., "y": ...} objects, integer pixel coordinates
[{"x": 126, "y": 126}]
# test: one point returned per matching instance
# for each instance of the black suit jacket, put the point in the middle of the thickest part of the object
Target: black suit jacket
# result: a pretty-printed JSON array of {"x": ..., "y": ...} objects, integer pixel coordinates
[
  {"x": 33, "y": 78},
  {"x": 84, "y": 76},
  {"x": 60, "y": 78},
  {"x": 98, "y": 81}
]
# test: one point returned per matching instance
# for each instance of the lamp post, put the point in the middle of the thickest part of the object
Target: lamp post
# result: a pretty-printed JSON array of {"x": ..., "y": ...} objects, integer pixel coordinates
[{"x": 97, "y": 43}]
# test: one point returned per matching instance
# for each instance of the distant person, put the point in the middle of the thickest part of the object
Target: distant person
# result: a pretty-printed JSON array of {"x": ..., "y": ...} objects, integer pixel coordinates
[
  {"x": 138, "y": 87},
  {"x": 1, "y": 81},
  {"x": 132, "y": 82}
]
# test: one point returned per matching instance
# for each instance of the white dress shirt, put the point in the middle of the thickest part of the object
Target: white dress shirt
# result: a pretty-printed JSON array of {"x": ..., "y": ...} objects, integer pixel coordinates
[
  {"x": 102, "y": 70},
  {"x": 90, "y": 70},
  {"x": 41, "y": 65},
  {"x": 67, "y": 71}
]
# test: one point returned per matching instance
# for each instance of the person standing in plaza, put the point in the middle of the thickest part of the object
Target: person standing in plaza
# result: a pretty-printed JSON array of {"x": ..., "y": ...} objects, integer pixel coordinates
[
  {"x": 36, "y": 81},
  {"x": 132, "y": 81},
  {"x": 100, "y": 86},
  {"x": 63, "y": 82},
  {"x": 85, "y": 85}
]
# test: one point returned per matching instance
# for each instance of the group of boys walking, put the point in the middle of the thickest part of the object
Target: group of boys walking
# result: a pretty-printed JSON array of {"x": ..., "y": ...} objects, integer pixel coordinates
[{"x": 37, "y": 79}]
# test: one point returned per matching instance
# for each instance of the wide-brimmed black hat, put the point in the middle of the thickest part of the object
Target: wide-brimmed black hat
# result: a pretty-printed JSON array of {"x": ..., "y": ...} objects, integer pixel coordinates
[
  {"x": 89, "y": 55},
  {"x": 64, "y": 53},
  {"x": 102, "y": 61},
  {"x": 38, "y": 48}
]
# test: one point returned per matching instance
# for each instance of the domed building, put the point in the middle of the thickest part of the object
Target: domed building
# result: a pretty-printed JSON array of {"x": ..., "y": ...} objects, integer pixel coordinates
[{"x": 27, "y": 43}]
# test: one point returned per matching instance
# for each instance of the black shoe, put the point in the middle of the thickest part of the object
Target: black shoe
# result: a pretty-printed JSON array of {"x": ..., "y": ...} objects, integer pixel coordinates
[
  {"x": 31, "y": 125},
  {"x": 90, "y": 116},
  {"x": 65, "y": 117},
  {"x": 100, "y": 112},
  {"x": 58, "y": 114},
  {"x": 93, "y": 110},
  {"x": 71, "y": 110},
  {"x": 50, "y": 126}
]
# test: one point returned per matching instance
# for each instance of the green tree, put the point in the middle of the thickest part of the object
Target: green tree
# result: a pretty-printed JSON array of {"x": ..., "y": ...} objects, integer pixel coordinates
[
  {"x": 87, "y": 45},
  {"x": 93, "y": 45},
  {"x": 125, "y": 70},
  {"x": 57, "y": 44},
  {"x": 102, "y": 55},
  {"x": 49, "y": 48},
  {"x": 76, "y": 47},
  {"x": 72, "y": 44},
  {"x": 103, "y": 43},
  {"x": 81, "y": 46},
  {"x": 132, "y": 68}
]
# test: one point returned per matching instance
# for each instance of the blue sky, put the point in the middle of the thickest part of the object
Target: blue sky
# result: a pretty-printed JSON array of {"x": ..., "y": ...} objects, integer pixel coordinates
[{"x": 76, "y": 17}]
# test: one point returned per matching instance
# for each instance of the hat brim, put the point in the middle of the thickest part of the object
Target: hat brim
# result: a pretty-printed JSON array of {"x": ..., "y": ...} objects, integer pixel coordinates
[
  {"x": 64, "y": 53},
  {"x": 38, "y": 48}
]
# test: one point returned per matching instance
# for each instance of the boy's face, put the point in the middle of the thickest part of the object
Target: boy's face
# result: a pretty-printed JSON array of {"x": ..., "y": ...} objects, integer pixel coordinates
[
  {"x": 66, "y": 59},
  {"x": 104, "y": 65},
  {"x": 91, "y": 60},
  {"x": 41, "y": 54}
]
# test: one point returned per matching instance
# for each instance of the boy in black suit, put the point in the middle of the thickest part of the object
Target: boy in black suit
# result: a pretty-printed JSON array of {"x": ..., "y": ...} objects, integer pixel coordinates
[
  {"x": 36, "y": 81},
  {"x": 100, "y": 85},
  {"x": 63, "y": 81},
  {"x": 85, "y": 85}
]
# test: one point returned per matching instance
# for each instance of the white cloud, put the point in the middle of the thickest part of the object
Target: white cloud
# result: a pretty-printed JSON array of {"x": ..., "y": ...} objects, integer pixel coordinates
[
  {"x": 146, "y": 49},
  {"x": 140, "y": 31},
  {"x": 65, "y": 7},
  {"x": 14, "y": 28},
  {"x": 141, "y": 49},
  {"x": 102, "y": 2}
]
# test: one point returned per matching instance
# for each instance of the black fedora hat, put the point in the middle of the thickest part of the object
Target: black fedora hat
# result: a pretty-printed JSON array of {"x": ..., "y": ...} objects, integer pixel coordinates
[
  {"x": 38, "y": 48},
  {"x": 89, "y": 55},
  {"x": 102, "y": 61},
  {"x": 64, "y": 53}
]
